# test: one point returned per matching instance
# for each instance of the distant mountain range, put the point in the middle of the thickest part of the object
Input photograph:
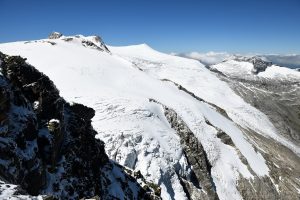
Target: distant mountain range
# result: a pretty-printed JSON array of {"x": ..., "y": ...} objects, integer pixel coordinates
[{"x": 291, "y": 61}]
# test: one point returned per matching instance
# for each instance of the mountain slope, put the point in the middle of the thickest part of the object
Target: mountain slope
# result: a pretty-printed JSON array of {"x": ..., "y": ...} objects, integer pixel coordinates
[
  {"x": 170, "y": 118},
  {"x": 48, "y": 146},
  {"x": 275, "y": 90}
]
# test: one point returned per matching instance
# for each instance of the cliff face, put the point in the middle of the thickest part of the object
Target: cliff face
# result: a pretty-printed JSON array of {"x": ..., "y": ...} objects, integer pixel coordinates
[{"x": 48, "y": 146}]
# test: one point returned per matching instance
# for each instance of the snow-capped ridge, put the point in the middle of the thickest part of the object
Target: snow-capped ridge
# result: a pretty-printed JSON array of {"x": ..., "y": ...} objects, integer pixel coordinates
[
  {"x": 258, "y": 63},
  {"x": 254, "y": 67},
  {"x": 93, "y": 41}
]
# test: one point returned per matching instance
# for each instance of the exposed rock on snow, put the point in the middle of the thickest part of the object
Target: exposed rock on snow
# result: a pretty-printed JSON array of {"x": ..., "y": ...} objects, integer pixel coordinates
[
  {"x": 55, "y": 35},
  {"x": 94, "y": 42},
  {"x": 259, "y": 65},
  {"x": 253, "y": 68},
  {"x": 196, "y": 157}
]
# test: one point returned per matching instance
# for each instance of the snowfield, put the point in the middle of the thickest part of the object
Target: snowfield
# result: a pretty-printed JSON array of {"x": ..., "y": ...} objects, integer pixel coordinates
[{"x": 118, "y": 85}]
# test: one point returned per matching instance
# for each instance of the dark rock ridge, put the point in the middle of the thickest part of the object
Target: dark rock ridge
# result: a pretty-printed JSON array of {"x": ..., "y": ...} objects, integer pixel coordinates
[
  {"x": 100, "y": 45},
  {"x": 195, "y": 155},
  {"x": 200, "y": 178},
  {"x": 48, "y": 146}
]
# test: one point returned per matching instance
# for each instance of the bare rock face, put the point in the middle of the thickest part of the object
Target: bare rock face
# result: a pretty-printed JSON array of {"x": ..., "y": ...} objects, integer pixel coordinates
[
  {"x": 55, "y": 35},
  {"x": 48, "y": 146},
  {"x": 199, "y": 184},
  {"x": 196, "y": 157},
  {"x": 83, "y": 111}
]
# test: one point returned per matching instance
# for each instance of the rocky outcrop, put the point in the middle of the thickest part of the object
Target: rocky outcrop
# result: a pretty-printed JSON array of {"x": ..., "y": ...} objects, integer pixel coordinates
[
  {"x": 55, "y": 35},
  {"x": 83, "y": 111},
  {"x": 259, "y": 65},
  {"x": 95, "y": 43},
  {"x": 98, "y": 40},
  {"x": 48, "y": 146},
  {"x": 195, "y": 155}
]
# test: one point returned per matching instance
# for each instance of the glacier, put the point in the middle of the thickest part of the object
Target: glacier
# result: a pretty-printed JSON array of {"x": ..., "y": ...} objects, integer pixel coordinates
[{"x": 129, "y": 88}]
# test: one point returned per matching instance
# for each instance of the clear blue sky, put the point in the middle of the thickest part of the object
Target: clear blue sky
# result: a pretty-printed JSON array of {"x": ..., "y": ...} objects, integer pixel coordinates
[{"x": 238, "y": 26}]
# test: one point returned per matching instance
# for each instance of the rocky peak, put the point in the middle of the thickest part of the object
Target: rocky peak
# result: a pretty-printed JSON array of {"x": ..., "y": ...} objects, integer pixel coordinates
[
  {"x": 55, "y": 35},
  {"x": 94, "y": 42}
]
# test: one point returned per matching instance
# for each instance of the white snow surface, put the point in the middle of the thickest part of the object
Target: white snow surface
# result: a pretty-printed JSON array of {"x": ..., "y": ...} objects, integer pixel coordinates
[
  {"x": 275, "y": 71},
  {"x": 118, "y": 86},
  {"x": 209, "y": 58},
  {"x": 7, "y": 192}
]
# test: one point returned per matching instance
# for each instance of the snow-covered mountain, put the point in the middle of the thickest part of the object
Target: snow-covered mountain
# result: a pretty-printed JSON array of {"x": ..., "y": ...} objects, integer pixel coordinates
[
  {"x": 183, "y": 126},
  {"x": 210, "y": 58},
  {"x": 246, "y": 67},
  {"x": 272, "y": 89}
]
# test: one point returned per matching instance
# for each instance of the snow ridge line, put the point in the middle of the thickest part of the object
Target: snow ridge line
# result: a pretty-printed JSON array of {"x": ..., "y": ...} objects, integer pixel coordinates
[{"x": 218, "y": 109}]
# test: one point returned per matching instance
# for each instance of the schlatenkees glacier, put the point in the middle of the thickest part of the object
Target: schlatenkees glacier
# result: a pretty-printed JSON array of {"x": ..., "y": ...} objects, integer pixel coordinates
[{"x": 134, "y": 88}]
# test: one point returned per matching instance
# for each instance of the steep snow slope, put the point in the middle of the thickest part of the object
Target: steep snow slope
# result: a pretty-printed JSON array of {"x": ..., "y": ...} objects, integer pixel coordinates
[
  {"x": 130, "y": 89},
  {"x": 197, "y": 79}
]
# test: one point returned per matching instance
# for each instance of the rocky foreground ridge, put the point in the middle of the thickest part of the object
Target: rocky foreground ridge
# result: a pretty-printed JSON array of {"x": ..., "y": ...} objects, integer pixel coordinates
[{"x": 48, "y": 146}]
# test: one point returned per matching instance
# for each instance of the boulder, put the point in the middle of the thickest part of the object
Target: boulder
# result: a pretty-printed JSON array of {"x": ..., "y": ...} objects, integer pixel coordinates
[{"x": 83, "y": 111}]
